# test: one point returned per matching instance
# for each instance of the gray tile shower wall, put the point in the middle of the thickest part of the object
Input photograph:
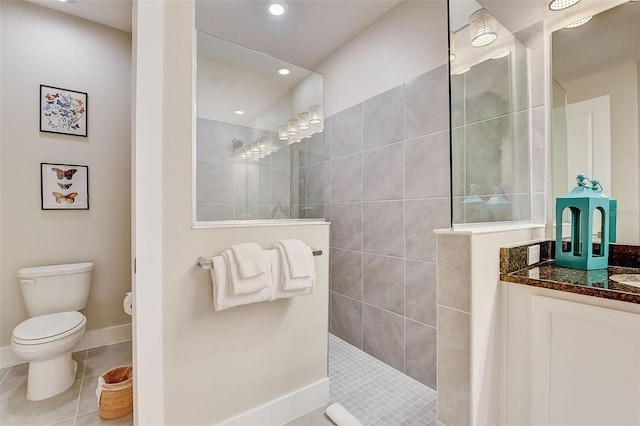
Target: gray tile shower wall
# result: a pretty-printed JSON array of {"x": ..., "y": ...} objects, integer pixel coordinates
[{"x": 386, "y": 187}]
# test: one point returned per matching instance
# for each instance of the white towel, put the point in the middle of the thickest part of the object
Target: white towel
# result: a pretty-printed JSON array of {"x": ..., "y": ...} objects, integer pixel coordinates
[
  {"x": 238, "y": 284},
  {"x": 299, "y": 257},
  {"x": 290, "y": 283},
  {"x": 250, "y": 259},
  {"x": 277, "y": 278},
  {"x": 340, "y": 416},
  {"x": 223, "y": 298}
]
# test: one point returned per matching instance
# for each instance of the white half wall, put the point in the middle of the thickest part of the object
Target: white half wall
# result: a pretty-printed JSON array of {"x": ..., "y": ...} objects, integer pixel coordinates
[
  {"x": 214, "y": 365},
  {"x": 42, "y": 46}
]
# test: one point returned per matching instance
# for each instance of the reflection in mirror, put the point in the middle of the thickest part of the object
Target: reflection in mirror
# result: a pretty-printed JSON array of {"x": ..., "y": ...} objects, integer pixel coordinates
[
  {"x": 257, "y": 126},
  {"x": 490, "y": 135},
  {"x": 595, "y": 119}
]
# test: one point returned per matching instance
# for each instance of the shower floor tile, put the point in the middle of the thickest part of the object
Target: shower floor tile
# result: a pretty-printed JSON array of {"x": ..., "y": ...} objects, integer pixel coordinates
[{"x": 373, "y": 392}]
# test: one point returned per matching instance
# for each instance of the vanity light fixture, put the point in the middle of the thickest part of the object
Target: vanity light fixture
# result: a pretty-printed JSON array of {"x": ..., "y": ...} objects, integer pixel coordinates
[
  {"x": 315, "y": 114},
  {"x": 284, "y": 71},
  {"x": 303, "y": 121},
  {"x": 579, "y": 22},
  {"x": 292, "y": 127},
  {"x": 483, "y": 28},
  {"x": 561, "y": 4},
  {"x": 277, "y": 7},
  {"x": 282, "y": 133}
]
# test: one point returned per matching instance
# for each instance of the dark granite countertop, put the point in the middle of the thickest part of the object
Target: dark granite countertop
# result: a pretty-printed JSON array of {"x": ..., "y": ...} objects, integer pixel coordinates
[{"x": 623, "y": 259}]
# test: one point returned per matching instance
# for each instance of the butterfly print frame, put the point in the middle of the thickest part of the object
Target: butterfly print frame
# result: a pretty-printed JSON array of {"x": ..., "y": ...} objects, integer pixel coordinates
[
  {"x": 64, "y": 186},
  {"x": 63, "y": 111}
]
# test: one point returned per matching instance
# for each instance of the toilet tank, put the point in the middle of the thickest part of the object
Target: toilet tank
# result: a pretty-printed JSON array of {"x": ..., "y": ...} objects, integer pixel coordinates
[{"x": 55, "y": 288}]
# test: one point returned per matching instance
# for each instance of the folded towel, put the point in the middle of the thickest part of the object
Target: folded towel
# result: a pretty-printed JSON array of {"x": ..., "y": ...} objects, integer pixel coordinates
[
  {"x": 277, "y": 278},
  {"x": 299, "y": 257},
  {"x": 340, "y": 416},
  {"x": 250, "y": 259},
  {"x": 238, "y": 284},
  {"x": 223, "y": 298},
  {"x": 290, "y": 283}
]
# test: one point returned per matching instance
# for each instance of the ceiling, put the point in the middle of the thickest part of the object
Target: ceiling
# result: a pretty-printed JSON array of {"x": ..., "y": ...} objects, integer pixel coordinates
[{"x": 305, "y": 35}]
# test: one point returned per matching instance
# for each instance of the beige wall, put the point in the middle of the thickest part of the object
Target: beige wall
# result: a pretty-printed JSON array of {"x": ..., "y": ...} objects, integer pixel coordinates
[
  {"x": 404, "y": 43},
  {"x": 621, "y": 83},
  {"x": 40, "y": 46},
  {"x": 214, "y": 365}
]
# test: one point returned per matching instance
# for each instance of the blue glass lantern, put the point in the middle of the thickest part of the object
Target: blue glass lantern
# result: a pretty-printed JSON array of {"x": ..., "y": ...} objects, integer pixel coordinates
[{"x": 583, "y": 202}]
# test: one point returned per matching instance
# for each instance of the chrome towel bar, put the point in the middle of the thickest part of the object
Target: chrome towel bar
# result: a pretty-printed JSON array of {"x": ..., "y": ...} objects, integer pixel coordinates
[{"x": 205, "y": 263}]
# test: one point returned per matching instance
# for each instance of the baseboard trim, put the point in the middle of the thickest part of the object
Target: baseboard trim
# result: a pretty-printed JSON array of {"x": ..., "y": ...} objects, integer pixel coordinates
[
  {"x": 90, "y": 339},
  {"x": 286, "y": 408}
]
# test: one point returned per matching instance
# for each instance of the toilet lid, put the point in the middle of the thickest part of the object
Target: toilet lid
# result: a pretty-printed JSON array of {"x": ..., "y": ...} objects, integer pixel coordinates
[{"x": 47, "y": 326}]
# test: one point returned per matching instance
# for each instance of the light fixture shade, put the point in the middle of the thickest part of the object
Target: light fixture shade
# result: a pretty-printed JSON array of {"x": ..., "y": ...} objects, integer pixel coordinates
[
  {"x": 303, "y": 121},
  {"x": 282, "y": 133},
  {"x": 292, "y": 127},
  {"x": 561, "y": 4},
  {"x": 483, "y": 28},
  {"x": 452, "y": 47},
  {"x": 315, "y": 114},
  {"x": 579, "y": 22}
]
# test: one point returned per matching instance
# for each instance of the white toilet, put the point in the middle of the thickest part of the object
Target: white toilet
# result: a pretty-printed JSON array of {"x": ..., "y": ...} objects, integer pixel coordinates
[{"x": 53, "y": 295}]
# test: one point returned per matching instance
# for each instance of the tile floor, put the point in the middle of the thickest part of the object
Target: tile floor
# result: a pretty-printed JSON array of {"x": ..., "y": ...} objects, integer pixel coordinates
[
  {"x": 376, "y": 394},
  {"x": 77, "y": 406},
  {"x": 373, "y": 392}
]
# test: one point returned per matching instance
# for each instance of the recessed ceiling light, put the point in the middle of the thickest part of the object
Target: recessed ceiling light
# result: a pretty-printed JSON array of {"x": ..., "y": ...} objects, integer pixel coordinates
[
  {"x": 277, "y": 7},
  {"x": 284, "y": 71},
  {"x": 561, "y": 4},
  {"x": 239, "y": 112},
  {"x": 580, "y": 22}
]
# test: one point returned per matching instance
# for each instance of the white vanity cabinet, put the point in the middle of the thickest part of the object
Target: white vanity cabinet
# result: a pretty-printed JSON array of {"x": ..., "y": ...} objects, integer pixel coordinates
[{"x": 569, "y": 359}]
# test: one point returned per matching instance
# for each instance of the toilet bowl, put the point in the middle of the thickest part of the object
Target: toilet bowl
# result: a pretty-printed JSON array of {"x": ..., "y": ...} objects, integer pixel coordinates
[
  {"x": 53, "y": 295},
  {"x": 46, "y": 342}
]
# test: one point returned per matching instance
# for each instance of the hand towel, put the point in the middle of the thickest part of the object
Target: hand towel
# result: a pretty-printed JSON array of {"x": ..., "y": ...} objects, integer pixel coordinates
[
  {"x": 277, "y": 278},
  {"x": 223, "y": 298},
  {"x": 238, "y": 284},
  {"x": 250, "y": 259},
  {"x": 290, "y": 283},
  {"x": 300, "y": 258}
]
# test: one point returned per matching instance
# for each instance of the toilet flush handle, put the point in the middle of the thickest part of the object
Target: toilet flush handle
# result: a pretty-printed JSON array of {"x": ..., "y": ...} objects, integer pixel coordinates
[{"x": 27, "y": 281}]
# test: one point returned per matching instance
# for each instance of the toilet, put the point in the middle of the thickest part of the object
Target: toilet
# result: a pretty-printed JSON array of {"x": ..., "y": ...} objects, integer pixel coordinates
[{"x": 53, "y": 296}]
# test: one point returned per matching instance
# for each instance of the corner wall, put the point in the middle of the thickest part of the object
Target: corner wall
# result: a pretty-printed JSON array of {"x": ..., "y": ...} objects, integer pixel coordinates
[
  {"x": 41, "y": 46},
  {"x": 386, "y": 173}
]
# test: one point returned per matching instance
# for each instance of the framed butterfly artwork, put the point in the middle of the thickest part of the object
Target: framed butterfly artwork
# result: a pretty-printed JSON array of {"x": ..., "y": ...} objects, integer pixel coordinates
[
  {"x": 63, "y": 111},
  {"x": 64, "y": 186}
]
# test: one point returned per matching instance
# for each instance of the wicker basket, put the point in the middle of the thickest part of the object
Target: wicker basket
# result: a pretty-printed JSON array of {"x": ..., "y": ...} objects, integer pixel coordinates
[{"x": 116, "y": 398}]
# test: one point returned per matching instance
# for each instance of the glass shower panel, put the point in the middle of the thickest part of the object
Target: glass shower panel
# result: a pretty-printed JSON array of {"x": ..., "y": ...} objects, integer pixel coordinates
[
  {"x": 490, "y": 128},
  {"x": 254, "y": 128}
]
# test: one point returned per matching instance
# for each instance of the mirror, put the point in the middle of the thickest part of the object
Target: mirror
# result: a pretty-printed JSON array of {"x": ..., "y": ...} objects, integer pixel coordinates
[
  {"x": 490, "y": 118},
  {"x": 259, "y": 133},
  {"x": 595, "y": 117}
]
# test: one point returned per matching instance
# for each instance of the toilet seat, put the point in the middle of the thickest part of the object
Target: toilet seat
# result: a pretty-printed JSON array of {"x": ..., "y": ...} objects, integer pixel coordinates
[{"x": 48, "y": 328}]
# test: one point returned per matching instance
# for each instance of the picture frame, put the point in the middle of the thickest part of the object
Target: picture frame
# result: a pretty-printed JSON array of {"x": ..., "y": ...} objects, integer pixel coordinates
[
  {"x": 64, "y": 186},
  {"x": 63, "y": 111}
]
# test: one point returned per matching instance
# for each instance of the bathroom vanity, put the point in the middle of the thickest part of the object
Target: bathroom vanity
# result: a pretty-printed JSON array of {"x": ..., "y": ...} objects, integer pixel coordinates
[{"x": 571, "y": 339}]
